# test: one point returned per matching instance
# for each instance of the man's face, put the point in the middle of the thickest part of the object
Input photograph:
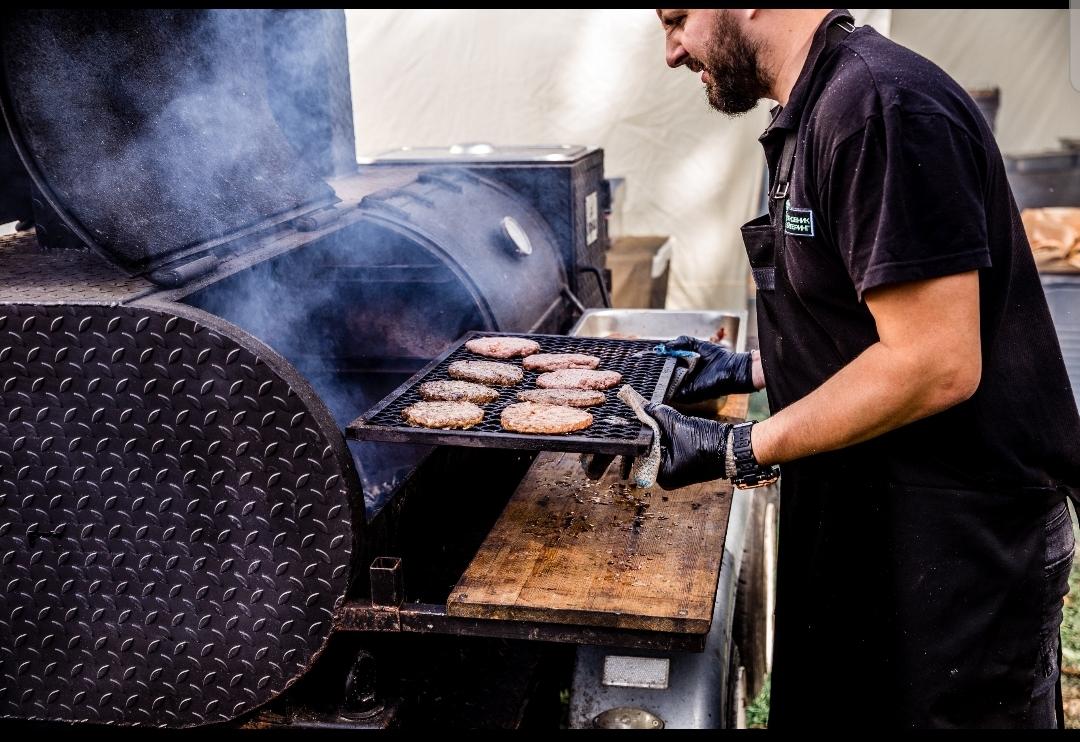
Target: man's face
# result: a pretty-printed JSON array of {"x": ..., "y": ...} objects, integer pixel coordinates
[{"x": 711, "y": 42}]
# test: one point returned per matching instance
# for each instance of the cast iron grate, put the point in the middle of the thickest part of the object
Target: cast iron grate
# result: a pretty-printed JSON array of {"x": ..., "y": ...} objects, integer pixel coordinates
[{"x": 615, "y": 429}]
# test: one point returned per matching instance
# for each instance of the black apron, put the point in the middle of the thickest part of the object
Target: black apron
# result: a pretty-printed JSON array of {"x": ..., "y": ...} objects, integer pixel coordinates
[{"x": 897, "y": 605}]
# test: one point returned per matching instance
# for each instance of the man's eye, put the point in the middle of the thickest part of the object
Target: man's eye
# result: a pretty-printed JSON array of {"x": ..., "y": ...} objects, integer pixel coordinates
[{"x": 673, "y": 21}]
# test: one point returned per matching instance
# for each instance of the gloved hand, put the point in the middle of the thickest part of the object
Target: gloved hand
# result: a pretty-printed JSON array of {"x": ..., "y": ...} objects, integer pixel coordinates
[
  {"x": 718, "y": 372},
  {"x": 692, "y": 449}
]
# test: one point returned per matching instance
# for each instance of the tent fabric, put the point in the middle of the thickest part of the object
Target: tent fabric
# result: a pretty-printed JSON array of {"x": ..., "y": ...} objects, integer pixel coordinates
[
  {"x": 1025, "y": 53},
  {"x": 597, "y": 77}
]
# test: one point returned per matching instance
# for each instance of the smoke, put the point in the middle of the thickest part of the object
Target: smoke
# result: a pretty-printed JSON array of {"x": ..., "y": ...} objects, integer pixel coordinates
[
  {"x": 307, "y": 60},
  {"x": 155, "y": 126},
  {"x": 161, "y": 130},
  {"x": 164, "y": 130},
  {"x": 333, "y": 309}
]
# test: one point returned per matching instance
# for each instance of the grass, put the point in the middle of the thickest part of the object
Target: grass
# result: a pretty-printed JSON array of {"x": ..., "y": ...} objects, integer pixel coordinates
[
  {"x": 757, "y": 713},
  {"x": 757, "y": 406}
]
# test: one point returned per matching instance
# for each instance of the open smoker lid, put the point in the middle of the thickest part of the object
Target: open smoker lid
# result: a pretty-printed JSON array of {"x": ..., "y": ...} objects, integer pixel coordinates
[{"x": 149, "y": 131}]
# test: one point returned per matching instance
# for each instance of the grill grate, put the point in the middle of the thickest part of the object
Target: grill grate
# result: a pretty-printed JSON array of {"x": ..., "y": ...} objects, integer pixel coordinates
[{"x": 615, "y": 430}]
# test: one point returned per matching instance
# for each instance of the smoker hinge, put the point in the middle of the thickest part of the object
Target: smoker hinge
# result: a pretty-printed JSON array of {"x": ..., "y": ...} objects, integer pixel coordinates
[
  {"x": 177, "y": 274},
  {"x": 317, "y": 220}
]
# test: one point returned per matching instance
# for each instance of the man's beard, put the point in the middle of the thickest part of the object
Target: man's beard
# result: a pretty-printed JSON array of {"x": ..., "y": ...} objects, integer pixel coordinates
[{"x": 738, "y": 81}]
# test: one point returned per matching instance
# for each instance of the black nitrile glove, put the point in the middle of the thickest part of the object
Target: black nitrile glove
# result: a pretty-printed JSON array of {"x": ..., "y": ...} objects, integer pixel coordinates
[
  {"x": 692, "y": 449},
  {"x": 718, "y": 372}
]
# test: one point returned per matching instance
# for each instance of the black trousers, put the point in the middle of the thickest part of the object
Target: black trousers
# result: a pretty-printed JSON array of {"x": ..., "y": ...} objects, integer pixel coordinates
[
  {"x": 1046, "y": 705},
  {"x": 959, "y": 624}
]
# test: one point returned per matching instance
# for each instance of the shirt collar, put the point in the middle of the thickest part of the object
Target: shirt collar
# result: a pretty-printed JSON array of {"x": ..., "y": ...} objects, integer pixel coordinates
[{"x": 787, "y": 117}]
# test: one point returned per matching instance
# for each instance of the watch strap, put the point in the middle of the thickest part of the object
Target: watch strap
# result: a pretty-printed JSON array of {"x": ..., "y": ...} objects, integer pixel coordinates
[{"x": 748, "y": 472}]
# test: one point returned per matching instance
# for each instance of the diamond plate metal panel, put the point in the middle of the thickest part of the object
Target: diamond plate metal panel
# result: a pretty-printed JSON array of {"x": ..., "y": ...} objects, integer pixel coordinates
[
  {"x": 32, "y": 275},
  {"x": 175, "y": 522}
]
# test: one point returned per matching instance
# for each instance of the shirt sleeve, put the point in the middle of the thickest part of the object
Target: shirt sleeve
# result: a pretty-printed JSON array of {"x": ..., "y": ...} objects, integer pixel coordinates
[{"x": 904, "y": 199}]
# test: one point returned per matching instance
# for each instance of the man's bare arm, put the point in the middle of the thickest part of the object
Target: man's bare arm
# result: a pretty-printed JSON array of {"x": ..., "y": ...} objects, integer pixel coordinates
[{"x": 927, "y": 359}]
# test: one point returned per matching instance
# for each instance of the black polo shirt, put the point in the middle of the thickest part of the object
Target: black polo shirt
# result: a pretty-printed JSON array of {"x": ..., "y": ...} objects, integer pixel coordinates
[{"x": 897, "y": 177}]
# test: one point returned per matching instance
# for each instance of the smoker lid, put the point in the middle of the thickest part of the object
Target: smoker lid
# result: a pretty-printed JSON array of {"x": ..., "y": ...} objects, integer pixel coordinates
[
  {"x": 149, "y": 131},
  {"x": 481, "y": 152}
]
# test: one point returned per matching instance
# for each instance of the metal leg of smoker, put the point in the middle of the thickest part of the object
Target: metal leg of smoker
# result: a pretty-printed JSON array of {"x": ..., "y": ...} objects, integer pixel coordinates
[{"x": 387, "y": 583}]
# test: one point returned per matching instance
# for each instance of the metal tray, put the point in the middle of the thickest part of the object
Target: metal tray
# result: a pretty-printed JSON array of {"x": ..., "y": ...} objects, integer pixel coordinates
[
  {"x": 615, "y": 430},
  {"x": 665, "y": 324}
]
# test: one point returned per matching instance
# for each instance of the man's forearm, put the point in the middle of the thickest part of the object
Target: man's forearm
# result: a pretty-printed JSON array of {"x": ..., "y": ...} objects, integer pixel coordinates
[
  {"x": 882, "y": 389},
  {"x": 757, "y": 371}
]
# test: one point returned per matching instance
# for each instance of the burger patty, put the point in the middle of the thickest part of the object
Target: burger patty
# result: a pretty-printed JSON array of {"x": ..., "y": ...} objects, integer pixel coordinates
[
  {"x": 459, "y": 415},
  {"x": 568, "y": 397},
  {"x": 502, "y": 347},
  {"x": 578, "y": 378},
  {"x": 457, "y": 391},
  {"x": 486, "y": 372},
  {"x": 532, "y": 417},
  {"x": 556, "y": 361}
]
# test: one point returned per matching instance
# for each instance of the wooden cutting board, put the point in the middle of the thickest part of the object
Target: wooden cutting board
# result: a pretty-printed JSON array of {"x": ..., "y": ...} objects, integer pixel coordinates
[{"x": 572, "y": 551}]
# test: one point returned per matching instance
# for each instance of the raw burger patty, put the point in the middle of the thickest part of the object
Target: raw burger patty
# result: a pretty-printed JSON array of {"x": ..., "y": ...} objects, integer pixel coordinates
[
  {"x": 568, "y": 397},
  {"x": 486, "y": 372},
  {"x": 555, "y": 361},
  {"x": 578, "y": 378},
  {"x": 457, "y": 391},
  {"x": 503, "y": 347},
  {"x": 530, "y": 417},
  {"x": 443, "y": 414}
]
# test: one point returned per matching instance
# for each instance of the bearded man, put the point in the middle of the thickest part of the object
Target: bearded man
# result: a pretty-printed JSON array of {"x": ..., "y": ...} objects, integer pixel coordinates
[{"x": 922, "y": 416}]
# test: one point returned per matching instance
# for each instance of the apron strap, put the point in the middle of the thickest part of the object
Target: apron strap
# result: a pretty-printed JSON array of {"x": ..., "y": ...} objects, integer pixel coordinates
[
  {"x": 787, "y": 164},
  {"x": 836, "y": 33}
]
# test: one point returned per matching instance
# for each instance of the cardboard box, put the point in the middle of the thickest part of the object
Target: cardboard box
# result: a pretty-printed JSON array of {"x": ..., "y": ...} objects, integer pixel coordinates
[{"x": 639, "y": 268}]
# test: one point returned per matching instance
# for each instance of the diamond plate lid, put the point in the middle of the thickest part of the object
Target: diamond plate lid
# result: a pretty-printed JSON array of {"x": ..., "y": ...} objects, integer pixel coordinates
[{"x": 149, "y": 131}]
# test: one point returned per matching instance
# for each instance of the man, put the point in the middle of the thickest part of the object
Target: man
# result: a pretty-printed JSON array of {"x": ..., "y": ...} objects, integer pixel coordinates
[{"x": 923, "y": 418}]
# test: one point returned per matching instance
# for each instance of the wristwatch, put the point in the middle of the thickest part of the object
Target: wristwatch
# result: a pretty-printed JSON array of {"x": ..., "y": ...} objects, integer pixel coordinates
[{"x": 748, "y": 472}]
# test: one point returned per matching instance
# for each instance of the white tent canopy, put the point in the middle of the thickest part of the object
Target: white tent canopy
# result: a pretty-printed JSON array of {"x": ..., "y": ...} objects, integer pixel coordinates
[{"x": 597, "y": 77}]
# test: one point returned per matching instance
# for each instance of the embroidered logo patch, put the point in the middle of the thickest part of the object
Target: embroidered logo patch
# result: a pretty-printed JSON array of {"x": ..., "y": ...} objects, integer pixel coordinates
[{"x": 798, "y": 222}]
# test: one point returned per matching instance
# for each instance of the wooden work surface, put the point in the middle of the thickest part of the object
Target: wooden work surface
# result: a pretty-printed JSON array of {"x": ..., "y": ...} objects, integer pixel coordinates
[
  {"x": 735, "y": 408},
  {"x": 732, "y": 408},
  {"x": 572, "y": 551}
]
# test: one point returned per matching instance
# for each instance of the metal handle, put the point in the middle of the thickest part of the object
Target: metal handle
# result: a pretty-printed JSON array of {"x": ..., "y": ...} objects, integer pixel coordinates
[
  {"x": 517, "y": 236},
  {"x": 573, "y": 299},
  {"x": 604, "y": 295}
]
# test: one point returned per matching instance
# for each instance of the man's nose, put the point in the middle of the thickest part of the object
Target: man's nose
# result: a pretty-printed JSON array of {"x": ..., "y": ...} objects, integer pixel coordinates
[{"x": 676, "y": 55}]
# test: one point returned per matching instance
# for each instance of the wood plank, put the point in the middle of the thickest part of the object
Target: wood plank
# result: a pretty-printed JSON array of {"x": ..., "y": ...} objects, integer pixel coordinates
[
  {"x": 730, "y": 408},
  {"x": 570, "y": 550},
  {"x": 735, "y": 408}
]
